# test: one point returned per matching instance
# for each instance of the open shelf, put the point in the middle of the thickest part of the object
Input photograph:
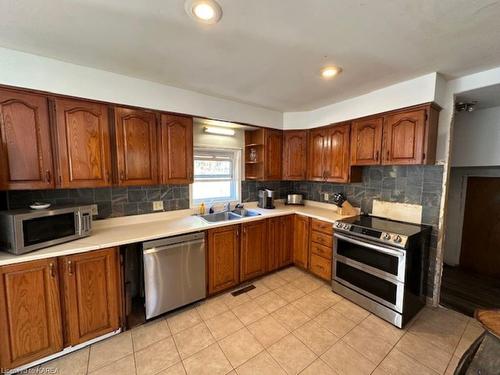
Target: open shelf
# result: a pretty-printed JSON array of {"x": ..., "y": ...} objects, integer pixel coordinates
[{"x": 254, "y": 142}]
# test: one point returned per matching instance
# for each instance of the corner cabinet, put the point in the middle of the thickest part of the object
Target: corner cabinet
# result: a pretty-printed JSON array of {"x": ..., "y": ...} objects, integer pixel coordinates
[
  {"x": 301, "y": 241},
  {"x": 294, "y": 155},
  {"x": 273, "y": 154},
  {"x": 136, "y": 147},
  {"x": 263, "y": 154},
  {"x": 30, "y": 312},
  {"x": 49, "y": 304},
  {"x": 329, "y": 154},
  {"x": 176, "y": 150},
  {"x": 82, "y": 130},
  {"x": 91, "y": 294},
  {"x": 253, "y": 250},
  {"x": 279, "y": 242},
  {"x": 25, "y": 142},
  {"x": 223, "y": 258}
]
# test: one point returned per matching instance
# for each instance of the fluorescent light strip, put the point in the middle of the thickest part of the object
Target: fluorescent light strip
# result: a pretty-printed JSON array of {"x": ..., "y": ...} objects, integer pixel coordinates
[{"x": 219, "y": 131}]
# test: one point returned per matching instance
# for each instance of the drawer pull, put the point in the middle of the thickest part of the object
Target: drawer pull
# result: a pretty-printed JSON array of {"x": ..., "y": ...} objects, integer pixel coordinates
[{"x": 70, "y": 268}]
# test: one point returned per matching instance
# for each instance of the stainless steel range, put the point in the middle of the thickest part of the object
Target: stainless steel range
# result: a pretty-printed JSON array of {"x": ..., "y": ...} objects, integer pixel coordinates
[{"x": 382, "y": 265}]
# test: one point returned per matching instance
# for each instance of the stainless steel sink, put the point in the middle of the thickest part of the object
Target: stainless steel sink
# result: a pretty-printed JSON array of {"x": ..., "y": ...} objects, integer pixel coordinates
[
  {"x": 220, "y": 216},
  {"x": 226, "y": 216},
  {"x": 247, "y": 213}
]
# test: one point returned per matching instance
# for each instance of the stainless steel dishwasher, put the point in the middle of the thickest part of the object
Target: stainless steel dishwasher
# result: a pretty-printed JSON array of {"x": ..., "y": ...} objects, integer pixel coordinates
[{"x": 174, "y": 272}]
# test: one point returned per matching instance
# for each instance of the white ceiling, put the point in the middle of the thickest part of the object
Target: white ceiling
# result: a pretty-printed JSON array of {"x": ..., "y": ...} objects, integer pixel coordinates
[{"x": 263, "y": 52}]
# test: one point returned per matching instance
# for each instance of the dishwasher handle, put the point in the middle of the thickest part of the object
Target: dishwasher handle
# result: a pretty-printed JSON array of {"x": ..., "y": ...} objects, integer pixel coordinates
[{"x": 160, "y": 249}]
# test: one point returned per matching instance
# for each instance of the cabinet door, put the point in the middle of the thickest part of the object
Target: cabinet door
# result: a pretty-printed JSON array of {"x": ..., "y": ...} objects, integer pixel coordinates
[
  {"x": 25, "y": 142},
  {"x": 176, "y": 149},
  {"x": 301, "y": 241},
  {"x": 318, "y": 143},
  {"x": 136, "y": 147},
  {"x": 273, "y": 154},
  {"x": 253, "y": 250},
  {"x": 91, "y": 294},
  {"x": 404, "y": 138},
  {"x": 223, "y": 258},
  {"x": 366, "y": 141},
  {"x": 30, "y": 312},
  {"x": 83, "y": 144},
  {"x": 337, "y": 159},
  {"x": 287, "y": 233},
  {"x": 294, "y": 155},
  {"x": 274, "y": 243}
]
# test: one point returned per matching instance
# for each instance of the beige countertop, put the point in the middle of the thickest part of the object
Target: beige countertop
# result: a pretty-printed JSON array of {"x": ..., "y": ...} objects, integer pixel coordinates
[{"x": 134, "y": 229}]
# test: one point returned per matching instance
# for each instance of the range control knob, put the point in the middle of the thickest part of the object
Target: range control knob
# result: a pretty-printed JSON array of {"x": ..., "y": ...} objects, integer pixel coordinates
[
  {"x": 338, "y": 225},
  {"x": 397, "y": 239},
  {"x": 386, "y": 236},
  {"x": 346, "y": 226}
]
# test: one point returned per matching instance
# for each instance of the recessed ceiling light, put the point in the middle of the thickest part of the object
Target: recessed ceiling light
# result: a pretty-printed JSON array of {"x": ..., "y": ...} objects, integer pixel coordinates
[
  {"x": 207, "y": 11},
  {"x": 330, "y": 71}
]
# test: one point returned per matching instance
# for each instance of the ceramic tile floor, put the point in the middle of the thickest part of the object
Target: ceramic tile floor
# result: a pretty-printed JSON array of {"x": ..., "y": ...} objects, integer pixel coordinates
[{"x": 291, "y": 323}]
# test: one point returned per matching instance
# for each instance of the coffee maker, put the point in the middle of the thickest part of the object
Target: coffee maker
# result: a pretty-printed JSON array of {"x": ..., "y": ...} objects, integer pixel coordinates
[{"x": 266, "y": 198}]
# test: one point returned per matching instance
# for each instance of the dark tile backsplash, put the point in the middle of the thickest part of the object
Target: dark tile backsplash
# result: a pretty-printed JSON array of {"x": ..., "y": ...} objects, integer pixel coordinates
[{"x": 111, "y": 202}]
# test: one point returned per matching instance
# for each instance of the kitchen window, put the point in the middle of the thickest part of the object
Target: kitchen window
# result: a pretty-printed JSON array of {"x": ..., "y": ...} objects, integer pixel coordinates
[{"x": 216, "y": 176}]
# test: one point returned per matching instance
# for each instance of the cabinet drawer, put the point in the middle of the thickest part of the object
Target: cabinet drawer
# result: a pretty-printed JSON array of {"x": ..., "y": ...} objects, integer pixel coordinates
[
  {"x": 322, "y": 226},
  {"x": 321, "y": 250},
  {"x": 322, "y": 239},
  {"x": 321, "y": 267}
]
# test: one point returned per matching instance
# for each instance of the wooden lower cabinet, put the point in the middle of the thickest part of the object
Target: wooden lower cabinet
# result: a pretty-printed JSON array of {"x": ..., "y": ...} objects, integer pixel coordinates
[
  {"x": 48, "y": 304},
  {"x": 223, "y": 258},
  {"x": 91, "y": 294},
  {"x": 253, "y": 249},
  {"x": 301, "y": 241},
  {"x": 321, "y": 249},
  {"x": 30, "y": 312},
  {"x": 279, "y": 242}
]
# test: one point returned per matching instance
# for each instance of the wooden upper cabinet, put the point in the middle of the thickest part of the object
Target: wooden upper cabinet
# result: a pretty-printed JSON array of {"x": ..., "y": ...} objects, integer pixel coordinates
[
  {"x": 318, "y": 147},
  {"x": 176, "y": 153},
  {"x": 337, "y": 155},
  {"x": 294, "y": 155},
  {"x": 223, "y": 258},
  {"x": 83, "y": 144},
  {"x": 273, "y": 154},
  {"x": 404, "y": 138},
  {"x": 91, "y": 294},
  {"x": 25, "y": 142},
  {"x": 366, "y": 141},
  {"x": 136, "y": 147},
  {"x": 30, "y": 312},
  {"x": 253, "y": 250},
  {"x": 301, "y": 241}
]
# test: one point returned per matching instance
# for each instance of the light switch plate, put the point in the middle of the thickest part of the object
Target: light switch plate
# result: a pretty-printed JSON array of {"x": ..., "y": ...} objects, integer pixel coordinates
[
  {"x": 326, "y": 195},
  {"x": 95, "y": 210},
  {"x": 158, "y": 206}
]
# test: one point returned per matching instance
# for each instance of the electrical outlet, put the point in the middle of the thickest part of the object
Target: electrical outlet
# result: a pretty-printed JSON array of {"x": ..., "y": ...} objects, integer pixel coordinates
[
  {"x": 326, "y": 195},
  {"x": 95, "y": 210},
  {"x": 158, "y": 206}
]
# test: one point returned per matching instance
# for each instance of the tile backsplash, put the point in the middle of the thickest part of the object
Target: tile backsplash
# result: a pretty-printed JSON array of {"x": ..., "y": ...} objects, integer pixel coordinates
[{"x": 111, "y": 202}]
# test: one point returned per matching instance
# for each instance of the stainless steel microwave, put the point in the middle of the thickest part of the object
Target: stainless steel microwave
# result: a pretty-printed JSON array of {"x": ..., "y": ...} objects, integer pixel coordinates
[{"x": 22, "y": 231}]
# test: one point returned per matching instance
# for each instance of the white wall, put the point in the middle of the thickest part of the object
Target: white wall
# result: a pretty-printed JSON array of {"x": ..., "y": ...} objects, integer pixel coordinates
[
  {"x": 403, "y": 94},
  {"x": 35, "y": 72},
  {"x": 476, "y": 138}
]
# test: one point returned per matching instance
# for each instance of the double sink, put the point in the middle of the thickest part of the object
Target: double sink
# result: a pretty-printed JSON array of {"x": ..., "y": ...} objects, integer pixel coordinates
[{"x": 229, "y": 215}]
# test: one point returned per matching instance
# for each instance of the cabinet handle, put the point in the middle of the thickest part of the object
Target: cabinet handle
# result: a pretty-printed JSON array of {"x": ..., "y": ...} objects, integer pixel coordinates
[
  {"x": 2, "y": 130},
  {"x": 237, "y": 232},
  {"x": 52, "y": 270},
  {"x": 70, "y": 268},
  {"x": 48, "y": 176},
  {"x": 122, "y": 176}
]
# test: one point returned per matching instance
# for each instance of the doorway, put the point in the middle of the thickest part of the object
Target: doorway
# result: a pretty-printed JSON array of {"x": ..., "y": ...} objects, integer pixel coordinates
[{"x": 474, "y": 281}]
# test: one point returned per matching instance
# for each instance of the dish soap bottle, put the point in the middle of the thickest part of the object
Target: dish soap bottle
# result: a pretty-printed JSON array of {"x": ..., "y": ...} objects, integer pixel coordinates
[{"x": 202, "y": 208}]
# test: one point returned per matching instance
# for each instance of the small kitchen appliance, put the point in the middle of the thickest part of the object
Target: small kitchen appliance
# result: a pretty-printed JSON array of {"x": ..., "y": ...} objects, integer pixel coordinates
[
  {"x": 266, "y": 198},
  {"x": 381, "y": 265},
  {"x": 295, "y": 199}
]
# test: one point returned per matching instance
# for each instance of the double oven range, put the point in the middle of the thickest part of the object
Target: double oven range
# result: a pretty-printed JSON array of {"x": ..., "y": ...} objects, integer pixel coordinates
[{"x": 381, "y": 265}]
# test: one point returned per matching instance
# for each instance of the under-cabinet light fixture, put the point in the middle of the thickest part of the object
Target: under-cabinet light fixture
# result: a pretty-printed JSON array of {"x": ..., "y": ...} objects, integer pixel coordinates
[{"x": 219, "y": 131}]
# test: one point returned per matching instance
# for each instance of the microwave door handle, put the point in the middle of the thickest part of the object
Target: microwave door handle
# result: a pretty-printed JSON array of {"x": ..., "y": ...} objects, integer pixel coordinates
[
  {"x": 380, "y": 249},
  {"x": 79, "y": 224}
]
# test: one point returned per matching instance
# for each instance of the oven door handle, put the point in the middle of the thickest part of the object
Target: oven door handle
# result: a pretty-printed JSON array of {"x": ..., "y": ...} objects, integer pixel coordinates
[{"x": 381, "y": 249}]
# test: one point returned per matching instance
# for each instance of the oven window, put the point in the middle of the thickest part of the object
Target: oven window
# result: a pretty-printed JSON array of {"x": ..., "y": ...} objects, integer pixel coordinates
[
  {"x": 370, "y": 257},
  {"x": 372, "y": 284},
  {"x": 48, "y": 228}
]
